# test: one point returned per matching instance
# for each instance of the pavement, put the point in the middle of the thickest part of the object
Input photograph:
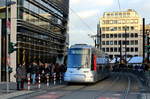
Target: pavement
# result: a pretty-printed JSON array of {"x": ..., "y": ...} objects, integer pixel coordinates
[{"x": 4, "y": 94}]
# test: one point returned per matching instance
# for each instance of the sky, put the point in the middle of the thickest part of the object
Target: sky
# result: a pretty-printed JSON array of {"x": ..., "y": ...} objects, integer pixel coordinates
[{"x": 85, "y": 14}]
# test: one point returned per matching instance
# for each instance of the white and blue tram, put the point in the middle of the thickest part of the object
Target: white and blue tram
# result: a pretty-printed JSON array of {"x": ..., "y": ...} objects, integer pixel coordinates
[{"x": 86, "y": 64}]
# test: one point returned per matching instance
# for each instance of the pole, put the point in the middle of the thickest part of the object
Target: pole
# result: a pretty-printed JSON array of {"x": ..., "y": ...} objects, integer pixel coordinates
[
  {"x": 0, "y": 49},
  {"x": 147, "y": 32},
  {"x": 120, "y": 51},
  {"x": 125, "y": 43},
  {"x": 8, "y": 39},
  {"x": 143, "y": 39}
]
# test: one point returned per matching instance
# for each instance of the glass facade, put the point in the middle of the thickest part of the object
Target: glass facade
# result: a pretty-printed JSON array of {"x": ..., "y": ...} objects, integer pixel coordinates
[{"x": 41, "y": 30}]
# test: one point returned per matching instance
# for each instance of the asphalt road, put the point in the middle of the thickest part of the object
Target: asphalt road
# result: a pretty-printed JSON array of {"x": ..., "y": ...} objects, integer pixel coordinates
[{"x": 117, "y": 86}]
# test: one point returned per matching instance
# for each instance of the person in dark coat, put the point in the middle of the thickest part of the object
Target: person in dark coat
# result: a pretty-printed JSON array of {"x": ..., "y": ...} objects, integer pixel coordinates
[{"x": 20, "y": 76}]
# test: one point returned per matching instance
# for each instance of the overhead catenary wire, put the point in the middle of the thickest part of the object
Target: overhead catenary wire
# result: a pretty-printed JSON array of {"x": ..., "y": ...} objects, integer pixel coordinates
[
  {"x": 86, "y": 25},
  {"x": 119, "y": 5}
]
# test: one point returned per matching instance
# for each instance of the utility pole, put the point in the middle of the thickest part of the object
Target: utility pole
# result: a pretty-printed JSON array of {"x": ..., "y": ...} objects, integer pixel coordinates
[
  {"x": 147, "y": 49},
  {"x": 120, "y": 51},
  {"x": 125, "y": 43},
  {"x": 147, "y": 34},
  {"x": 143, "y": 39}
]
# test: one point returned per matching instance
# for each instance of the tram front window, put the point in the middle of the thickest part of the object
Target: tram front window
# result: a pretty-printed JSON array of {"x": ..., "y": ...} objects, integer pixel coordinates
[{"x": 79, "y": 58}]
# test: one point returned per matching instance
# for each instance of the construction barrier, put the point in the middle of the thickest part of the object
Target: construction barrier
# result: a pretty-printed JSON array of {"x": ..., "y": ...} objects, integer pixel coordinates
[
  {"x": 54, "y": 78},
  {"x": 47, "y": 76},
  {"x": 39, "y": 81},
  {"x": 29, "y": 81}
]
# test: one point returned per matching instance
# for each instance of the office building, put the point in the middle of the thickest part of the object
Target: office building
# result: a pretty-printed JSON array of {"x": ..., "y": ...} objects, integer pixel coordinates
[
  {"x": 124, "y": 27},
  {"x": 39, "y": 30}
]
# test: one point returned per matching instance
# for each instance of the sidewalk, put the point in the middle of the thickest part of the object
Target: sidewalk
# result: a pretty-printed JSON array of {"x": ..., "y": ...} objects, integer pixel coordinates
[{"x": 14, "y": 93}]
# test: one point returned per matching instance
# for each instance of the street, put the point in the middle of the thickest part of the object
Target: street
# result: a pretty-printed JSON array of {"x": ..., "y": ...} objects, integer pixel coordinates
[{"x": 117, "y": 86}]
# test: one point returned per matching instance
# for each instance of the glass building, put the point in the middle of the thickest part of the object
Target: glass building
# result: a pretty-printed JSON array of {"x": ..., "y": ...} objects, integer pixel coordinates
[{"x": 39, "y": 29}]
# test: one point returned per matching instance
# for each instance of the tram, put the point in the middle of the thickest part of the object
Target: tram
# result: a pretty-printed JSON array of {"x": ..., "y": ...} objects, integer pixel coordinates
[{"x": 86, "y": 64}]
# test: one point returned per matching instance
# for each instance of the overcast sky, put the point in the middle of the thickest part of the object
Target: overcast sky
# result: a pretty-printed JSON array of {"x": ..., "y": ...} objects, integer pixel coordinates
[{"x": 85, "y": 14}]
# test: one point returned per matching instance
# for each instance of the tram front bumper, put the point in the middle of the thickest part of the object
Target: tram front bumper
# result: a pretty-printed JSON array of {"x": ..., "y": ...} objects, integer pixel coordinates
[{"x": 77, "y": 78}]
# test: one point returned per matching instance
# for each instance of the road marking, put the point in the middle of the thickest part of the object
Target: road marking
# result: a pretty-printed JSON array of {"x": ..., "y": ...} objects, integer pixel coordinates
[
  {"x": 51, "y": 95},
  {"x": 117, "y": 94},
  {"x": 108, "y": 98}
]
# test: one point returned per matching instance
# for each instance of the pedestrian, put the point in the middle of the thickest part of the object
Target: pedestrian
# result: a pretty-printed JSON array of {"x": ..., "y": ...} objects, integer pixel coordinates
[
  {"x": 20, "y": 76},
  {"x": 63, "y": 69},
  {"x": 47, "y": 69},
  {"x": 33, "y": 72}
]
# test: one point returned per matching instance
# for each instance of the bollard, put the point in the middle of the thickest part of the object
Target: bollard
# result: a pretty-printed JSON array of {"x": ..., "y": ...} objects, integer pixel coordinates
[
  {"x": 54, "y": 78},
  {"x": 47, "y": 79},
  {"x": 39, "y": 83},
  {"x": 29, "y": 84},
  {"x": 60, "y": 80}
]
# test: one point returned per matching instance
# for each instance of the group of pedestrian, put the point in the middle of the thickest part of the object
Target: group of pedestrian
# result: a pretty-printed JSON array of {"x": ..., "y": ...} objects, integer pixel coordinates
[{"x": 34, "y": 70}]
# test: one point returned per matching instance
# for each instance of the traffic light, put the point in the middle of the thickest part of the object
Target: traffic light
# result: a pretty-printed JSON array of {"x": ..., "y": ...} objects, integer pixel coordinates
[{"x": 11, "y": 47}]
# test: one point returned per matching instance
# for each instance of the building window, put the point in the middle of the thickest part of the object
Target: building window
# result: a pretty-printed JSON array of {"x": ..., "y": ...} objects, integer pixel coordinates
[
  {"x": 103, "y": 42},
  {"x": 136, "y": 49},
  {"x": 127, "y": 49},
  {"x": 115, "y": 49},
  {"x": 132, "y": 49},
  {"x": 107, "y": 35},
  {"x": 115, "y": 42},
  {"x": 123, "y": 35},
  {"x": 136, "y": 42},
  {"x": 103, "y": 49},
  {"x": 107, "y": 49},
  {"x": 107, "y": 28},
  {"x": 136, "y": 35},
  {"x": 115, "y": 35},
  {"x": 111, "y": 35},
  {"x": 131, "y": 35},
  {"x": 127, "y": 42},
  {"x": 132, "y": 42},
  {"x": 111, "y": 42},
  {"x": 132, "y": 28},
  {"x": 119, "y": 35},
  {"x": 103, "y": 28},
  {"x": 119, "y": 28},
  {"x": 124, "y": 42},
  {"x": 103, "y": 35},
  {"x": 127, "y": 35},
  {"x": 111, "y": 49},
  {"x": 107, "y": 42}
]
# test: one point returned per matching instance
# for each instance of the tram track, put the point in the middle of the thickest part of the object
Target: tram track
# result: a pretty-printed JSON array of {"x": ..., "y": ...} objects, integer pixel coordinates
[
  {"x": 127, "y": 90},
  {"x": 81, "y": 86},
  {"x": 108, "y": 87}
]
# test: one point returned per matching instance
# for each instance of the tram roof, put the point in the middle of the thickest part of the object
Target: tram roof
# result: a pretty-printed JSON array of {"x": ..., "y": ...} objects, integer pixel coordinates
[{"x": 136, "y": 59}]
